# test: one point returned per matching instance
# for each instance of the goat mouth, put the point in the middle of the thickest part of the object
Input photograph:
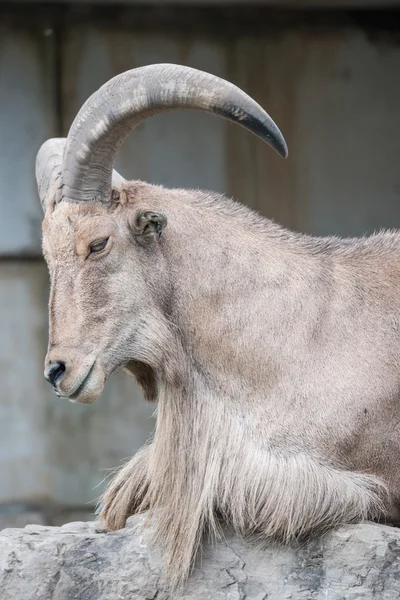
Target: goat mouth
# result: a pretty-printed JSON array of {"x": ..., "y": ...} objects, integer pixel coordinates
[{"x": 79, "y": 386}]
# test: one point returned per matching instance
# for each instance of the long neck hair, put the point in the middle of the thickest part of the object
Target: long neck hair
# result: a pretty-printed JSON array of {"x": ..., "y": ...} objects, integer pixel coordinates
[{"x": 202, "y": 466}]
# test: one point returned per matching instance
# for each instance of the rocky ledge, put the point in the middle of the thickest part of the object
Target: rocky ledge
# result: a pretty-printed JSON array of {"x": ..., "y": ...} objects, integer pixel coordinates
[{"x": 76, "y": 562}]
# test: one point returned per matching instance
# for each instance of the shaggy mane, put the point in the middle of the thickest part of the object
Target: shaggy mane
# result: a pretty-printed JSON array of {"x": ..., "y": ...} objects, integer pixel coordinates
[{"x": 201, "y": 466}]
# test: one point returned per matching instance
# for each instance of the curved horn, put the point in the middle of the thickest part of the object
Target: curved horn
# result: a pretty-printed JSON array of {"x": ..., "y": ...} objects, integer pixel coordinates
[
  {"x": 120, "y": 105},
  {"x": 49, "y": 161}
]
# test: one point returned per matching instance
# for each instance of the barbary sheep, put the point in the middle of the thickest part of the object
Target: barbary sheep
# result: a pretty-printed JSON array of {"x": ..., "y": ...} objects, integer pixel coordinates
[{"x": 273, "y": 358}]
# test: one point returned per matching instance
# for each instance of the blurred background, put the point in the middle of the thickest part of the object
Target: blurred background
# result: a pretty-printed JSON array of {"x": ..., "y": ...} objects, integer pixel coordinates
[{"x": 328, "y": 72}]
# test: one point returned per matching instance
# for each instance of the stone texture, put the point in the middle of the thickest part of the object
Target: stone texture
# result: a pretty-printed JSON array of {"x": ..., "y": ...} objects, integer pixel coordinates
[{"x": 76, "y": 562}]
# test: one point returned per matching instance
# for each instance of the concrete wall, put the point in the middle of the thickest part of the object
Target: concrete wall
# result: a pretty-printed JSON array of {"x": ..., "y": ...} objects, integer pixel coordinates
[{"x": 334, "y": 89}]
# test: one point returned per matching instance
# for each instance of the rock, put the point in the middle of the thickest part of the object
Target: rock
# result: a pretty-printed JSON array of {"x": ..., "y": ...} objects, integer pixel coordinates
[{"x": 76, "y": 562}]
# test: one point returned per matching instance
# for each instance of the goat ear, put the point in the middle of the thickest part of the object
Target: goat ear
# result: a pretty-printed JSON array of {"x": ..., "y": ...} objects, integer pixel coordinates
[{"x": 149, "y": 225}]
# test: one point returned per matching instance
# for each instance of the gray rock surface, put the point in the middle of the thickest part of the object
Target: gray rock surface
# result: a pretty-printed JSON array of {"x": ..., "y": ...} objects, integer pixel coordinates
[{"x": 75, "y": 562}]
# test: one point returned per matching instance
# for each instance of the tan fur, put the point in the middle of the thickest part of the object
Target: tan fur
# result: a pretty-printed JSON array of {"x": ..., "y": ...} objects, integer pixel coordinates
[{"x": 273, "y": 359}]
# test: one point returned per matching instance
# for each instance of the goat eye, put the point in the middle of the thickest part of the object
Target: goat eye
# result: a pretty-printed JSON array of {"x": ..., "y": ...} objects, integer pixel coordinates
[{"x": 96, "y": 247}]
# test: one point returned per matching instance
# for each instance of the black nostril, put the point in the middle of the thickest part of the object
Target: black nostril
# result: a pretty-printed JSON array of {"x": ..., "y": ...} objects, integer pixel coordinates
[{"x": 55, "y": 371}]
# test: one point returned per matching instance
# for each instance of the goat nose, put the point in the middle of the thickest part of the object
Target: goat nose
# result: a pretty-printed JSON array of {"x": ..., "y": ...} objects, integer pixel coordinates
[{"x": 55, "y": 371}]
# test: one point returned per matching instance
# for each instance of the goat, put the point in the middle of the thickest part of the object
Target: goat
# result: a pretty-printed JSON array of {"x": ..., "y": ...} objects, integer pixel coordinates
[{"x": 272, "y": 357}]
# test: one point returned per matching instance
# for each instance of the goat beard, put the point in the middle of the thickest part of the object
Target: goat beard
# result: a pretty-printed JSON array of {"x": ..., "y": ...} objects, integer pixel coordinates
[{"x": 203, "y": 465}]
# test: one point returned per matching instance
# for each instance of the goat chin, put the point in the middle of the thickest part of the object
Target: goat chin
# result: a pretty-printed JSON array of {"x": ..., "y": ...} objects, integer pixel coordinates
[{"x": 203, "y": 465}]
